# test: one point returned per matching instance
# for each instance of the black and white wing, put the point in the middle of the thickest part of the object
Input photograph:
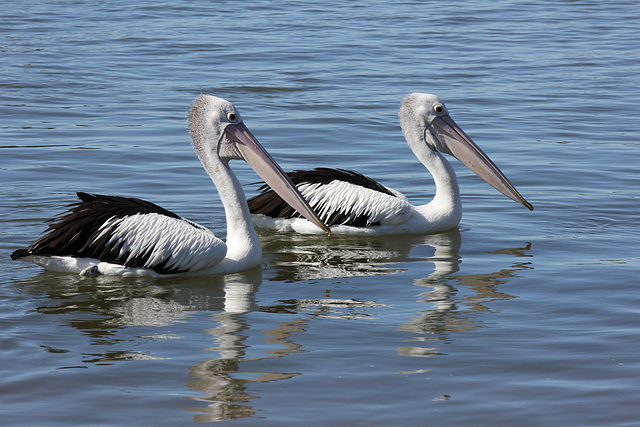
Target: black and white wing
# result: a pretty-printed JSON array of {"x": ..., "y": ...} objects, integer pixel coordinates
[
  {"x": 130, "y": 232},
  {"x": 339, "y": 197}
]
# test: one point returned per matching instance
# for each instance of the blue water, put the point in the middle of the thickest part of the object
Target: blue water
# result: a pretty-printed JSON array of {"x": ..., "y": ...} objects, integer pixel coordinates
[{"x": 516, "y": 318}]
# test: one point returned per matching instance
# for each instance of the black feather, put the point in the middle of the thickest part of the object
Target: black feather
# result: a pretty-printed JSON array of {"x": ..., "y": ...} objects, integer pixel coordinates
[
  {"x": 269, "y": 203},
  {"x": 73, "y": 233}
]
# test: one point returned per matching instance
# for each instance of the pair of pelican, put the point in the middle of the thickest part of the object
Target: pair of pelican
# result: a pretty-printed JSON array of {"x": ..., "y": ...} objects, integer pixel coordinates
[{"x": 128, "y": 236}]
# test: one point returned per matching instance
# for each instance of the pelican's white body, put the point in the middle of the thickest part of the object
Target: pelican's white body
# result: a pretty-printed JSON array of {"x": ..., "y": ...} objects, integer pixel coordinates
[{"x": 395, "y": 214}]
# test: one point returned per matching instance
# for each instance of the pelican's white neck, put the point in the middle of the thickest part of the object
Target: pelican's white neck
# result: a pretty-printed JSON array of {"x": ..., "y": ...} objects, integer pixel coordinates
[
  {"x": 446, "y": 205},
  {"x": 243, "y": 246},
  {"x": 242, "y": 240}
]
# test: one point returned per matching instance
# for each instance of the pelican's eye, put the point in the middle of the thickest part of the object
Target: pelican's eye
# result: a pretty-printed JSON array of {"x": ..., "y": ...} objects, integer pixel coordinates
[
  {"x": 232, "y": 117},
  {"x": 438, "y": 109}
]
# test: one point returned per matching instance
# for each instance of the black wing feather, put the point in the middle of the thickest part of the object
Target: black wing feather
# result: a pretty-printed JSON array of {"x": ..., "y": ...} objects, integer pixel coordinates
[
  {"x": 73, "y": 233},
  {"x": 269, "y": 203}
]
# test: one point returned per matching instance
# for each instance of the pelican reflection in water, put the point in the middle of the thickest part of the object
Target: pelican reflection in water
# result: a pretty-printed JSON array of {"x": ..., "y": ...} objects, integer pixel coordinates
[{"x": 210, "y": 317}]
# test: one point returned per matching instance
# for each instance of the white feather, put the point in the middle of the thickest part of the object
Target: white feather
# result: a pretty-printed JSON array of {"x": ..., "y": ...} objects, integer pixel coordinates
[
  {"x": 341, "y": 196},
  {"x": 159, "y": 236}
]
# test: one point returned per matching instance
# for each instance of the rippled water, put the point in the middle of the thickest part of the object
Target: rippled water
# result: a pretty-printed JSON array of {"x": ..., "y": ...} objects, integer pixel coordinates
[{"x": 516, "y": 318}]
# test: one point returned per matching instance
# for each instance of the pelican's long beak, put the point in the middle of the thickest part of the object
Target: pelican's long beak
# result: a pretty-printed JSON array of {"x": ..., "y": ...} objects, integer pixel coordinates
[
  {"x": 263, "y": 164},
  {"x": 450, "y": 139}
]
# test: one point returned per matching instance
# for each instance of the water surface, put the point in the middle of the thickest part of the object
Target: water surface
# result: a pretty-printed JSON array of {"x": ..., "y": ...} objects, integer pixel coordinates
[{"x": 515, "y": 318}]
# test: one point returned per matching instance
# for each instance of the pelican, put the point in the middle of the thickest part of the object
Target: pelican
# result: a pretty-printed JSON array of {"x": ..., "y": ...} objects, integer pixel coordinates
[
  {"x": 128, "y": 236},
  {"x": 351, "y": 203}
]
